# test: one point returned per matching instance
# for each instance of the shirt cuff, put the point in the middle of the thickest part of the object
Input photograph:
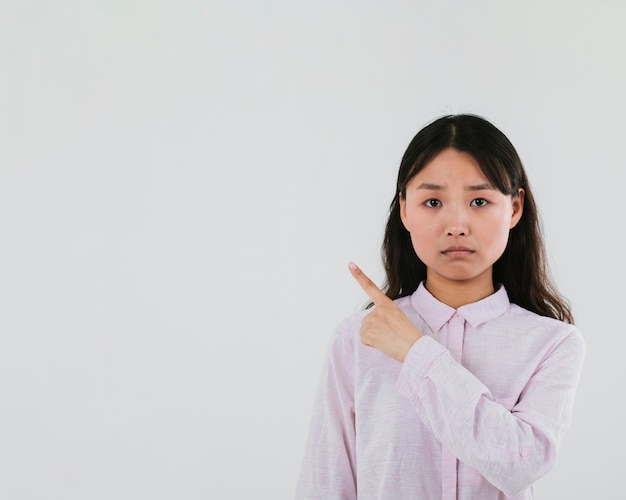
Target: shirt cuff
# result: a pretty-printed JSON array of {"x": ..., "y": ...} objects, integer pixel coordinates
[{"x": 417, "y": 364}]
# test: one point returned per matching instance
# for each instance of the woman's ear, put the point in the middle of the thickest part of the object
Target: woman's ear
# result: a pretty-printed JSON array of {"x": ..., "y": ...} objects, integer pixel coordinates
[
  {"x": 402, "y": 202},
  {"x": 517, "y": 202}
]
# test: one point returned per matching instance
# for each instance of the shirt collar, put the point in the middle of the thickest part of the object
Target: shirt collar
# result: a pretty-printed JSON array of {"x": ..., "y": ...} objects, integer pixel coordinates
[{"x": 436, "y": 313}]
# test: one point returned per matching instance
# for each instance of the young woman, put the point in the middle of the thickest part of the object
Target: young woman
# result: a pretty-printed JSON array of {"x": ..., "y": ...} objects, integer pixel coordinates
[{"x": 459, "y": 382}]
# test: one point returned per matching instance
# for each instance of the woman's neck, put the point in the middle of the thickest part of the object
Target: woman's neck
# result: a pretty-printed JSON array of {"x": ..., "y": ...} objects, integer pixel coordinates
[{"x": 457, "y": 293}]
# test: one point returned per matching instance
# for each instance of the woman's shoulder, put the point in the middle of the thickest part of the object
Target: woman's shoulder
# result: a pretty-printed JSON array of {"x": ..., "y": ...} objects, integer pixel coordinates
[
  {"x": 539, "y": 325},
  {"x": 352, "y": 322}
]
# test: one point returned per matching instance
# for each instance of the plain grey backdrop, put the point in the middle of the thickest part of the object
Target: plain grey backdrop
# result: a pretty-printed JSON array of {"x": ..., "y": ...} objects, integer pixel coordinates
[{"x": 182, "y": 184}]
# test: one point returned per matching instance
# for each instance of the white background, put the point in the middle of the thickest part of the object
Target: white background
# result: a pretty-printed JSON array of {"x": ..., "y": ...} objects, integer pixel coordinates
[{"x": 182, "y": 184}]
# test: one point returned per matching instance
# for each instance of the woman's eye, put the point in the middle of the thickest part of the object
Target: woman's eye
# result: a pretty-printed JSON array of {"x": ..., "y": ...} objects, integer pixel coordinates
[
  {"x": 433, "y": 203},
  {"x": 479, "y": 202}
]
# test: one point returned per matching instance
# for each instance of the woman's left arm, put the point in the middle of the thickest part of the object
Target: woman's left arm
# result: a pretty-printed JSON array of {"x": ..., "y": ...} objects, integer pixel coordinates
[{"x": 511, "y": 448}]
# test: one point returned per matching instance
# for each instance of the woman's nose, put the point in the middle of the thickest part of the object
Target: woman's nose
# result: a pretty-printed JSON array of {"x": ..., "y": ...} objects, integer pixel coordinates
[{"x": 457, "y": 223}]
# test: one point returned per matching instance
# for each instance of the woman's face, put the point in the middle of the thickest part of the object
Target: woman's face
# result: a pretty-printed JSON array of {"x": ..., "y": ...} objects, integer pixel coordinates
[{"x": 459, "y": 223}]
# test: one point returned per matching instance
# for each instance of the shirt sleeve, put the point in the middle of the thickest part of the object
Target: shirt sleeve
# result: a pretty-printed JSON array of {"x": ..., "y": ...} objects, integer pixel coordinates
[
  {"x": 328, "y": 468},
  {"x": 510, "y": 448}
]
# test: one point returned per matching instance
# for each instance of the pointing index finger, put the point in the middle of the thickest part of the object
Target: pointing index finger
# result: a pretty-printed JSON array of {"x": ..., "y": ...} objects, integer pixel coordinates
[{"x": 370, "y": 288}]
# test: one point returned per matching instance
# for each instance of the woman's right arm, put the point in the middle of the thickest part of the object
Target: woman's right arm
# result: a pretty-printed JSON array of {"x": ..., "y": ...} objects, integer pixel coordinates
[{"x": 329, "y": 463}]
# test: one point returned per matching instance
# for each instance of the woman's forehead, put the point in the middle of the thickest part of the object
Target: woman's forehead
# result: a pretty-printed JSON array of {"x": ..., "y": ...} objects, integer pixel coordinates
[{"x": 451, "y": 167}]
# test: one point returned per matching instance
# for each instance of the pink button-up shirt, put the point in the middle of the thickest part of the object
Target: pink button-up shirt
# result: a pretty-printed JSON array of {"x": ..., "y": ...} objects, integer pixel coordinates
[{"x": 476, "y": 411}]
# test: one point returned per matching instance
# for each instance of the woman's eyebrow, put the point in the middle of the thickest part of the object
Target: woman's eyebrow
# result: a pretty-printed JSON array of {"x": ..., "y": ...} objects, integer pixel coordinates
[
  {"x": 480, "y": 187},
  {"x": 430, "y": 187}
]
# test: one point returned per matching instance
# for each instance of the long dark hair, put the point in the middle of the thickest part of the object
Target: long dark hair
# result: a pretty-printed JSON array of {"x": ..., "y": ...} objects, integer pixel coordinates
[{"x": 522, "y": 268}]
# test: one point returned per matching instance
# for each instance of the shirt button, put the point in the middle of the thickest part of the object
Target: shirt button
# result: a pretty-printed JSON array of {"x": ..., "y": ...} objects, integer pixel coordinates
[{"x": 524, "y": 453}]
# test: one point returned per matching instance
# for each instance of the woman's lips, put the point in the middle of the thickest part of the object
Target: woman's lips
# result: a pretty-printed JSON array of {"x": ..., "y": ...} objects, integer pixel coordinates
[{"x": 457, "y": 251}]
